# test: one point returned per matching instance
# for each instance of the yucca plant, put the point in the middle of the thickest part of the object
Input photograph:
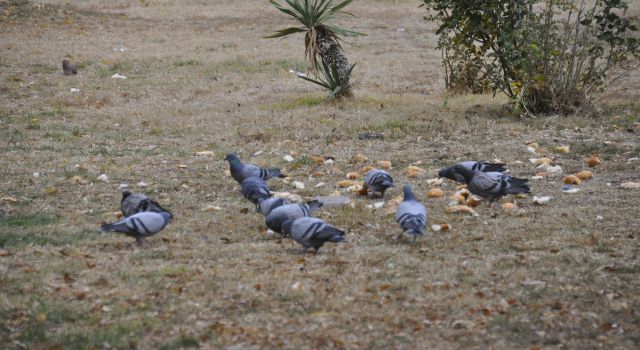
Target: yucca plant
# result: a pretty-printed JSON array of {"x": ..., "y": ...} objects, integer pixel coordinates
[
  {"x": 322, "y": 40},
  {"x": 330, "y": 79}
]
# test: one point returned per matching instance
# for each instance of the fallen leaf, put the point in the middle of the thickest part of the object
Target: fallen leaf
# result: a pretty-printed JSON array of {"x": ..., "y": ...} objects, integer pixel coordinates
[
  {"x": 9, "y": 199},
  {"x": 461, "y": 209},
  {"x": 571, "y": 180},
  {"x": 384, "y": 164},
  {"x": 584, "y": 175},
  {"x": 508, "y": 207},
  {"x": 561, "y": 149},
  {"x": 474, "y": 201},
  {"x": 366, "y": 169},
  {"x": 435, "y": 193},
  {"x": 593, "y": 161},
  {"x": 353, "y": 175},
  {"x": 359, "y": 158},
  {"x": 413, "y": 171},
  {"x": 630, "y": 185},
  {"x": 345, "y": 183}
]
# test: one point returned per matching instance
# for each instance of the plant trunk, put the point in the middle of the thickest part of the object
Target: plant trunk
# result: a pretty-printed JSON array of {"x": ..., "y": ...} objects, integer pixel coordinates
[{"x": 332, "y": 55}]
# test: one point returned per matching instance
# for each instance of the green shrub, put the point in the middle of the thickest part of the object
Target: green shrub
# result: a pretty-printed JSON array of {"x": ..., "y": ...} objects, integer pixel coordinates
[{"x": 546, "y": 55}]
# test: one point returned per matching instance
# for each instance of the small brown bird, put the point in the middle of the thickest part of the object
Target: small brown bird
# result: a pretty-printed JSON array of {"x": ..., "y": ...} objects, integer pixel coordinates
[{"x": 68, "y": 68}]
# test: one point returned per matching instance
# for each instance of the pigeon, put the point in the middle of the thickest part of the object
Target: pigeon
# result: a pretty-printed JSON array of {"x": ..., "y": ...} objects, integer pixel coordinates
[
  {"x": 241, "y": 171},
  {"x": 492, "y": 185},
  {"x": 265, "y": 206},
  {"x": 411, "y": 214},
  {"x": 377, "y": 180},
  {"x": 451, "y": 173},
  {"x": 279, "y": 215},
  {"x": 312, "y": 232},
  {"x": 133, "y": 203},
  {"x": 68, "y": 68},
  {"x": 140, "y": 225},
  {"x": 255, "y": 189}
]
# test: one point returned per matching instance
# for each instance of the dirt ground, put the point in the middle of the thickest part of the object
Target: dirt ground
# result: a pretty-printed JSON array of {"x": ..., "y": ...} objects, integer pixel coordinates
[{"x": 200, "y": 77}]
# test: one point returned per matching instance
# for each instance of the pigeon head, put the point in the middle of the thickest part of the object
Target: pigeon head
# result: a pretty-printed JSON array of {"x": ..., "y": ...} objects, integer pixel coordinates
[
  {"x": 465, "y": 172},
  {"x": 286, "y": 227},
  {"x": 447, "y": 173},
  {"x": 408, "y": 193},
  {"x": 65, "y": 62},
  {"x": 232, "y": 158},
  {"x": 125, "y": 194}
]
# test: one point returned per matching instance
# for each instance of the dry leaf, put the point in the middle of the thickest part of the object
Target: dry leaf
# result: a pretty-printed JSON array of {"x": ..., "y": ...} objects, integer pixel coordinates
[
  {"x": 182, "y": 166},
  {"x": 366, "y": 169},
  {"x": 435, "y": 193},
  {"x": 630, "y": 185},
  {"x": 508, "y": 207},
  {"x": 593, "y": 161},
  {"x": 584, "y": 175},
  {"x": 393, "y": 204},
  {"x": 561, "y": 149},
  {"x": 571, "y": 180},
  {"x": 9, "y": 199},
  {"x": 413, "y": 171},
  {"x": 474, "y": 201},
  {"x": 353, "y": 175},
  {"x": 461, "y": 209},
  {"x": 457, "y": 198},
  {"x": 384, "y": 164},
  {"x": 345, "y": 183},
  {"x": 543, "y": 160},
  {"x": 4, "y": 252},
  {"x": 360, "y": 158},
  {"x": 435, "y": 182},
  {"x": 41, "y": 317}
]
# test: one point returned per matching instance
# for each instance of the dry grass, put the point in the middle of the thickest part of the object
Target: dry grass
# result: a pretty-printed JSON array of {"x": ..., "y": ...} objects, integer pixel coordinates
[{"x": 201, "y": 78}]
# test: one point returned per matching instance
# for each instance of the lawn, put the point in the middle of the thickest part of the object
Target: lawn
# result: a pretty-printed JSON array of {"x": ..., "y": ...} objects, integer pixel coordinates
[{"x": 200, "y": 77}]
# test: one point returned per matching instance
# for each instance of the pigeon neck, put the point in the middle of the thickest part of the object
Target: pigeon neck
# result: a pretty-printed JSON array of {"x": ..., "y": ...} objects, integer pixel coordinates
[{"x": 408, "y": 194}]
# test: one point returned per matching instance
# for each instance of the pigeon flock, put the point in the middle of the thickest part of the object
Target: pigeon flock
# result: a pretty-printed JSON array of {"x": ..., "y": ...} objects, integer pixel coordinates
[{"x": 145, "y": 217}]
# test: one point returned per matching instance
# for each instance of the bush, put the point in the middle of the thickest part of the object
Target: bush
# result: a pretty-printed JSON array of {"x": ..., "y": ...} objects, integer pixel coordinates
[{"x": 546, "y": 55}]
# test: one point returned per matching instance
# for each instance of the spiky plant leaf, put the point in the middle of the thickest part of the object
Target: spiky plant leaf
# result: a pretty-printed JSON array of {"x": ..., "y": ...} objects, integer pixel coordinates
[
  {"x": 329, "y": 78},
  {"x": 285, "y": 32}
]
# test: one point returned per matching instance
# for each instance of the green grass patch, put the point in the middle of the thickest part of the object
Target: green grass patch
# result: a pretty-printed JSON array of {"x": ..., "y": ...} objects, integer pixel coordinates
[{"x": 182, "y": 342}]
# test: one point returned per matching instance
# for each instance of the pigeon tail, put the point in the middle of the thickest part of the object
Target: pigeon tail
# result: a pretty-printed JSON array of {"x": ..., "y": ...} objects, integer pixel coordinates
[
  {"x": 519, "y": 187},
  {"x": 493, "y": 167},
  {"x": 274, "y": 172}
]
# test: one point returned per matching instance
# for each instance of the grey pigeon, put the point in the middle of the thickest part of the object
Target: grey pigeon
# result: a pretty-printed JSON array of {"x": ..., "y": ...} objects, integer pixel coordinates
[
  {"x": 279, "y": 215},
  {"x": 68, "y": 68},
  {"x": 312, "y": 232},
  {"x": 265, "y": 206},
  {"x": 133, "y": 203},
  {"x": 452, "y": 174},
  {"x": 411, "y": 214},
  {"x": 140, "y": 225},
  {"x": 241, "y": 171},
  {"x": 377, "y": 180},
  {"x": 492, "y": 185},
  {"x": 255, "y": 189}
]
